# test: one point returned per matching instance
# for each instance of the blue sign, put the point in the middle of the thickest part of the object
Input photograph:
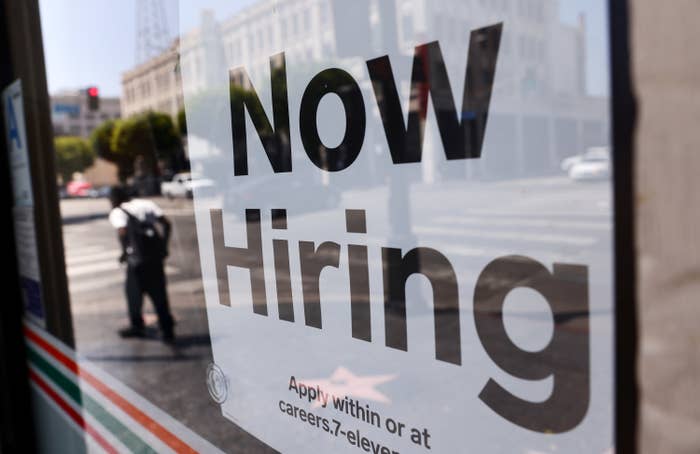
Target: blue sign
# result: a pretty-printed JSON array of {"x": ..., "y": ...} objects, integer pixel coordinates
[
  {"x": 70, "y": 109},
  {"x": 13, "y": 132}
]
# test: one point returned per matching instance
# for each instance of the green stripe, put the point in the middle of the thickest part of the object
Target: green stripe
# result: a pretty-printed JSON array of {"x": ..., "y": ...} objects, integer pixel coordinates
[{"x": 131, "y": 440}]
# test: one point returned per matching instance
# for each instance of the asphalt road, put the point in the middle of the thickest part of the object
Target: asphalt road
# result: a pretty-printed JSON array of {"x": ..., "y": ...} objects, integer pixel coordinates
[{"x": 571, "y": 221}]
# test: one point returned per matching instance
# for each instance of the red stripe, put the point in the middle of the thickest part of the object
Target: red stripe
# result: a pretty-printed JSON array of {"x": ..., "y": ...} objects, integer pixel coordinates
[
  {"x": 70, "y": 411},
  {"x": 146, "y": 421}
]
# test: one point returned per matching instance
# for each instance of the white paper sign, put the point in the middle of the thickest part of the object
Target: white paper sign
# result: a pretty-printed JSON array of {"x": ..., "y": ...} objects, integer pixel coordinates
[
  {"x": 409, "y": 248},
  {"x": 23, "y": 210}
]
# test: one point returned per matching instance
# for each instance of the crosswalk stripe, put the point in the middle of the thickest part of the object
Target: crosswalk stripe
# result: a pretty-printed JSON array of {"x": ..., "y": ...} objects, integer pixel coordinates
[
  {"x": 74, "y": 259},
  {"x": 514, "y": 236},
  {"x": 602, "y": 214},
  {"x": 450, "y": 249},
  {"x": 515, "y": 222},
  {"x": 76, "y": 251},
  {"x": 97, "y": 267},
  {"x": 92, "y": 268},
  {"x": 93, "y": 283},
  {"x": 179, "y": 212}
]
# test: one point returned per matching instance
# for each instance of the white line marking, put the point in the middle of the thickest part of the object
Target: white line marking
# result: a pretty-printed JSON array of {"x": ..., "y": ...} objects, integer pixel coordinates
[
  {"x": 559, "y": 214},
  {"x": 98, "y": 267},
  {"x": 515, "y": 236},
  {"x": 90, "y": 284},
  {"x": 92, "y": 268},
  {"x": 450, "y": 249},
  {"x": 82, "y": 250},
  {"x": 94, "y": 284},
  {"x": 73, "y": 259},
  {"x": 524, "y": 222}
]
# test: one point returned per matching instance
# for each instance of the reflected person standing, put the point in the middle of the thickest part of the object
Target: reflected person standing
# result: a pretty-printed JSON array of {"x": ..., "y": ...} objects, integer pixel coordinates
[{"x": 144, "y": 248}]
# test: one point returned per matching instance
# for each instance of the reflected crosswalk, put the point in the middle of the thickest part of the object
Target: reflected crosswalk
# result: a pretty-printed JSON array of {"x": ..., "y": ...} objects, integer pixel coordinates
[
  {"x": 488, "y": 234},
  {"x": 511, "y": 235},
  {"x": 524, "y": 222},
  {"x": 94, "y": 267},
  {"x": 89, "y": 257},
  {"x": 475, "y": 235}
]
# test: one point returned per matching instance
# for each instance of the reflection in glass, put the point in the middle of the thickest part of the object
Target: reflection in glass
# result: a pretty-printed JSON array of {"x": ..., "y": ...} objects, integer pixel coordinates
[{"x": 381, "y": 178}]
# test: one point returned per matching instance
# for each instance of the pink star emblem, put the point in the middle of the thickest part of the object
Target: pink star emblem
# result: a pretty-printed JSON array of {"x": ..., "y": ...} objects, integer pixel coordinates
[{"x": 344, "y": 383}]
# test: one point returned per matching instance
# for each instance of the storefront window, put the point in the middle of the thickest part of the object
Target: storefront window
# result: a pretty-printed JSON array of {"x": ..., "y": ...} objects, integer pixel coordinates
[{"x": 332, "y": 226}]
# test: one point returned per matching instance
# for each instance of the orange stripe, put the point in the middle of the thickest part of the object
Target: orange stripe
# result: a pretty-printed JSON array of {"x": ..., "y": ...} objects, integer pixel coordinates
[
  {"x": 70, "y": 411},
  {"x": 146, "y": 421}
]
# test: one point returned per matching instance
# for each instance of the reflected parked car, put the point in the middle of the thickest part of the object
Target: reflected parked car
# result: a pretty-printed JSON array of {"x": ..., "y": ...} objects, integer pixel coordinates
[
  {"x": 101, "y": 192},
  {"x": 593, "y": 165},
  {"x": 79, "y": 189},
  {"x": 183, "y": 185},
  {"x": 593, "y": 152},
  {"x": 567, "y": 163}
]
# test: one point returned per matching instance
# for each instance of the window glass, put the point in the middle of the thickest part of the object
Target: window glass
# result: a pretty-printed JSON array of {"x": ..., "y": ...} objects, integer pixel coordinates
[{"x": 323, "y": 225}]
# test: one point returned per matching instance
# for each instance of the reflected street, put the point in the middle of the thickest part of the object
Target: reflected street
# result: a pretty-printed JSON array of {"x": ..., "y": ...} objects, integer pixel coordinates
[
  {"x": 576, "y": 225},
  {"x": 171, "y": 377}
]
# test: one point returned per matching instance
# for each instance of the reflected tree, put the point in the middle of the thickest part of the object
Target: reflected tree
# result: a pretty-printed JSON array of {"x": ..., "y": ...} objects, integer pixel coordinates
[{"x": 73, "y": 154}]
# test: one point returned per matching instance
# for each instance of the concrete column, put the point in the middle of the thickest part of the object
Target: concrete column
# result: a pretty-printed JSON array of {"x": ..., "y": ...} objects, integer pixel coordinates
[{"x": 665, "y": 67}]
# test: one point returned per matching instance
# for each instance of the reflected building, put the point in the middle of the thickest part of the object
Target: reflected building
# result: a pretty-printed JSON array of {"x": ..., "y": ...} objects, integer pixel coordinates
[
  {"x": 539, "y": 102},
  {"x": 154, "y": 85},
  {"x": 71, "y": 115}
]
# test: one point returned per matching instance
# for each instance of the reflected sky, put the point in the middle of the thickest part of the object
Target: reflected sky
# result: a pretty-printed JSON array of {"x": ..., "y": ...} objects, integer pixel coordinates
[{"x": 81, "y": 48}]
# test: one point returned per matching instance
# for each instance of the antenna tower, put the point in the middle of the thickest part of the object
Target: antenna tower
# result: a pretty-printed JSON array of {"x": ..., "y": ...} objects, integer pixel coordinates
[{"x": 152, "y": 34}]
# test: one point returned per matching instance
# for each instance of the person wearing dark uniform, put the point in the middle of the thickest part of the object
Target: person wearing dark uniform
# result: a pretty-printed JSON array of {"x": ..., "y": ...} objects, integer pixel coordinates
[{"x": 144, "y": 249}]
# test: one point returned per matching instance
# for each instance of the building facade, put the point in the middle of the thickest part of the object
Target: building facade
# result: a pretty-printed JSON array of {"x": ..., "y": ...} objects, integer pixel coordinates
[
  {"x": 154, "y": 85},
  {"x": 71, "y": 116},
  {"x": 534, "y": 73}
]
